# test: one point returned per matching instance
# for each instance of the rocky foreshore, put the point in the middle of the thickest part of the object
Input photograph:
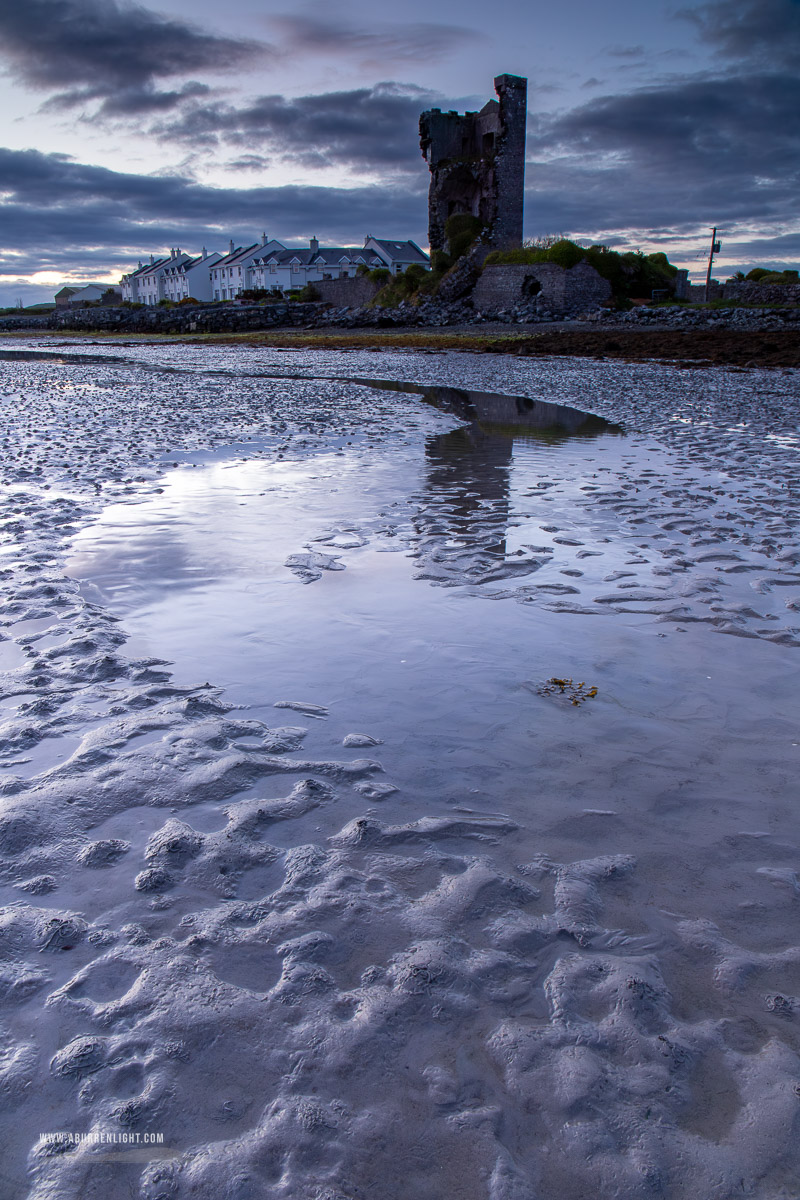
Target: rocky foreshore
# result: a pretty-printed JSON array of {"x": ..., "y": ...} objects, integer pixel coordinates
[{"x": 230, "y": 318}]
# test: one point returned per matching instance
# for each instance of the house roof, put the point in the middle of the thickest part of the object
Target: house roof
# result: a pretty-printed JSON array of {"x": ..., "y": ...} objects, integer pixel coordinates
[
  {"x": 241, "y": 254},
  {"x": 323, "y": 256},
  {"x": 98, "y": 287},
  {"x": 401, "y": 251},
  {"x": 152, "y": 268},
  {"x": 212, "y": 258}
]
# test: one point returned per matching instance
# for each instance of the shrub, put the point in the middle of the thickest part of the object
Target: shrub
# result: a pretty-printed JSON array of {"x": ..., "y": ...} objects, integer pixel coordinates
[
  {"x": 307, "y": 294},
  {"x": 255, "y": 294},
  {"x": 415, "y": 273},
  {"x": 461, "y": 230}
]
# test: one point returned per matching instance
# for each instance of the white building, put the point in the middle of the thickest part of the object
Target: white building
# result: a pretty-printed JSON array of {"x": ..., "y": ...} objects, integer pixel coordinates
[
  {"x": 397, "y": 255},
  {"x": 267, "y": 265},
  {"x": 145, "y": 285},
  {"x": 190, "y": 278},
  {"x": 233, "y": 274},
  {"x": 294, "y": 268}
]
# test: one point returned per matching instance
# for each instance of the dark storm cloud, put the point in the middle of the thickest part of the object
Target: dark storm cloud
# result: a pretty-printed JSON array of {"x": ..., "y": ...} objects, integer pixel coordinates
[
  {"x": 364, "y": 127},
  {"x": 692, "y": 151},
  {"x": 373, "y": 45},
  {"x": 765, "y": 31},
  {"x": 90, "y": 49},
  {"x": 55, "y": 212}
]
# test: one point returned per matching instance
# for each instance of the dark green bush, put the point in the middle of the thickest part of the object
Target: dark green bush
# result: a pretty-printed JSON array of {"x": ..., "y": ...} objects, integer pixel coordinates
[
  {"x": 307, "y": 294},
  {"x": 461, "y": 230}
]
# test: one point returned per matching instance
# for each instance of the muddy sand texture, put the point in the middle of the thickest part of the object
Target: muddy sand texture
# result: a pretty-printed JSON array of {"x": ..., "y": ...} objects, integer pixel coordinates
[{"x": 555, "y": 976}]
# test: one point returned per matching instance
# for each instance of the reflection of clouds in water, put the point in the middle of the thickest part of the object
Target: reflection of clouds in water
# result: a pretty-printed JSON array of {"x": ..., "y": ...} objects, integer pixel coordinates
[{"x": 229, "y": 519}]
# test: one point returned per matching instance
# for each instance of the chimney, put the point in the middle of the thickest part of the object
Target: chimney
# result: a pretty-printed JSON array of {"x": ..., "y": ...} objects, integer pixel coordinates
[
  {"x": 264, "y": 239},
  {"x": 230, "y": 246},
  {"x": 152, "y": 259},
  {"x": 205, "y": 253},
  {"x": 366, "y": 239},
  {"x": 313, "y": 245}
]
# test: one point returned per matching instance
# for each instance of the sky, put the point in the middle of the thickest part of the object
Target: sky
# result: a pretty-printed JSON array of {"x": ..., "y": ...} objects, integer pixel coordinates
[{"x": 127, "y": 129}]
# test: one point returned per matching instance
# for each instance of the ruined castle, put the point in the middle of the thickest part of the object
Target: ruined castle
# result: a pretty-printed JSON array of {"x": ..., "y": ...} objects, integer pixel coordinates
[{"x": 477, "y": 164}]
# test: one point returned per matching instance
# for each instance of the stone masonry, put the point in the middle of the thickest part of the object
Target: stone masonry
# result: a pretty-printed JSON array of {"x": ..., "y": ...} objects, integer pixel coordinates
[
  {"x": 505, "y": 286},
  {"x": 477, "y": 164}
]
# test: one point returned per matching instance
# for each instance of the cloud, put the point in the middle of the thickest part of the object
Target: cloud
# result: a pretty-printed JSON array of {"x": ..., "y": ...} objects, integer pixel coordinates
[
  {"x": 747, "y": 31},
  {"x": 373, "y": 45},
  {"x": 89, "y": 49},
  {"x": 364, "y": 128},
  {"x": 625, "y": 51},
  {"x": 57, "y": 214},
  {"x": 696, "y": 150}
]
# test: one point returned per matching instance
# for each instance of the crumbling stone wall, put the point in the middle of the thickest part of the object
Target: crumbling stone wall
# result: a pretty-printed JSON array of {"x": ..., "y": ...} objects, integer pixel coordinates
[
  {"x": 506, "y": 286},
  {"x": 477, "y": 164}
]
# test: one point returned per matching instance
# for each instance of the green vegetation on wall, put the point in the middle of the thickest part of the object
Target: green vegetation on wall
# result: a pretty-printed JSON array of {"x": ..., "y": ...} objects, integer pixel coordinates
[
  {"x": 631, "y": 274},
  {"x": 462, "y": 231}
]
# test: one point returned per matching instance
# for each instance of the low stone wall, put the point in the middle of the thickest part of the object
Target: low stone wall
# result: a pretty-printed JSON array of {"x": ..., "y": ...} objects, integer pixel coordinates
[
  {"x": 13, "y": 323},
  {"x": 347, "y": 293},
  {"x": 183, "y": 319},
  {"x": 503, "y": 286},
  {"x": 762, "y": 293}
]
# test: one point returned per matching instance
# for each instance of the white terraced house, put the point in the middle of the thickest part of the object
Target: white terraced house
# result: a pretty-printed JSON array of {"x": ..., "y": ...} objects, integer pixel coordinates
[
  {"x": 145, "y": 285},
  {"x": 190, "y": 278},
  {"x": 293, "y": 268},
  {"x": 232, "y": 274},
  {"x": 268, "y": 265}
]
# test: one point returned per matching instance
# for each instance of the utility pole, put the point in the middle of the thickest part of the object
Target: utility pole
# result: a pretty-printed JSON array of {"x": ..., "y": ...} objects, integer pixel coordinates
[{"x": 715, "y": 248}]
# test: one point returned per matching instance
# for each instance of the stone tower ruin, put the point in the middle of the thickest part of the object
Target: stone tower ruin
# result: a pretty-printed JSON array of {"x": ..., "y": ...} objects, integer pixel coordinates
[{"x": 477, "y": 164}]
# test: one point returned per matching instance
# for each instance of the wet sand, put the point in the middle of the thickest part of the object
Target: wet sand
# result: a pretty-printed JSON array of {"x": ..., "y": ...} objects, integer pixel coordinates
[{"x": 307, "y": 867}]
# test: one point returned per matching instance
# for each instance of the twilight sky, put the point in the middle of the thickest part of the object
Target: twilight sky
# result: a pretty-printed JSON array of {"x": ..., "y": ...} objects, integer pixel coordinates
[{"x": 127, "y": 129}]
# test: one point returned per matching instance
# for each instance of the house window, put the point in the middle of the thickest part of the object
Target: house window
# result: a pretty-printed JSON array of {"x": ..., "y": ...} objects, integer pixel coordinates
[
  {"x": 295, "y": 267},
  {"x": 216, "y": 293},
  {"x": 273, "y": 268}
]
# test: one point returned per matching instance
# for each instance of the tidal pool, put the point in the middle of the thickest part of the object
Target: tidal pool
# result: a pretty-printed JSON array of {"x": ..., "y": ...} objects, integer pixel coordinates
[{"x": 413, "y": 922}]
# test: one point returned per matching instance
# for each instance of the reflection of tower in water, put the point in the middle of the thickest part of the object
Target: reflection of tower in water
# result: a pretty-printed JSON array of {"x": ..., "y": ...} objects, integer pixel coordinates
[
  {"x": 467, "y": 481},
  {"x": 463, "y": 520}
]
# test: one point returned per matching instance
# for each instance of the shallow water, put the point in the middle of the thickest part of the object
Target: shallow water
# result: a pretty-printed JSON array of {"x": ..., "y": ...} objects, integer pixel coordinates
[{"x": 408, "y": 903}]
